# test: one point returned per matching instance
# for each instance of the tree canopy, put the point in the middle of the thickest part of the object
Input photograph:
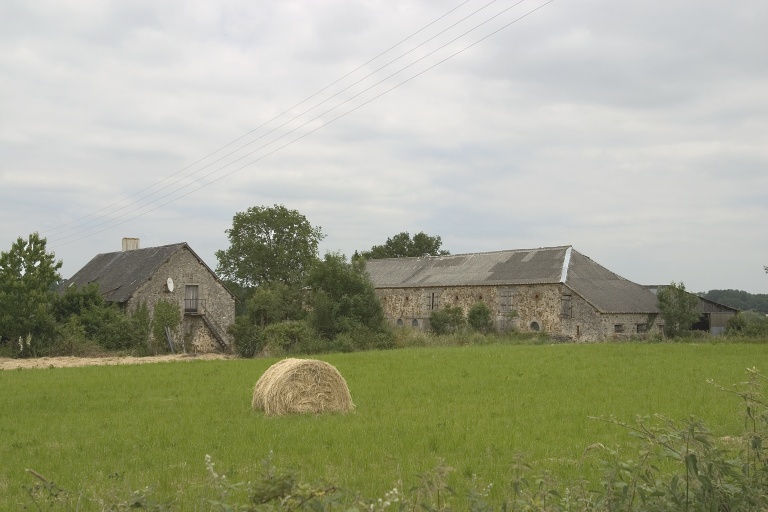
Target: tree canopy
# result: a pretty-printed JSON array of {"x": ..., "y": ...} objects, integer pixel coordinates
[
  {"x": 28, "y": 275},
  {"x": 678, "y": 308},
  {"x": 739, "y": 299},
  {"x": 269, "y": 244},
  {"x": 343, "y": 298},
  {"x": 403, "y": 246}
]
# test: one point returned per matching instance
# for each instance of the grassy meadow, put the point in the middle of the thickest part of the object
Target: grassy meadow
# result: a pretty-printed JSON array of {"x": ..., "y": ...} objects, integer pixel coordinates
[{"x": 113, "y": 429}]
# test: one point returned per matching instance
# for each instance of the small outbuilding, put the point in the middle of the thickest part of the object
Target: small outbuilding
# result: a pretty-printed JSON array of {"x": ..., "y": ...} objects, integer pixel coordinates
[{"x": 174, "y": 273}]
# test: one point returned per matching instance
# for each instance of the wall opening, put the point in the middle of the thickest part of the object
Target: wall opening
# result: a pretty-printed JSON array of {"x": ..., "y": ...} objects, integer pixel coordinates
[{"x": 535, "y": 326}]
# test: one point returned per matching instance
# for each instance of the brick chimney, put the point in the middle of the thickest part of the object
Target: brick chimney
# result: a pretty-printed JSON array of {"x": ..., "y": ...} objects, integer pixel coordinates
[{"x": 130, "y": 244}]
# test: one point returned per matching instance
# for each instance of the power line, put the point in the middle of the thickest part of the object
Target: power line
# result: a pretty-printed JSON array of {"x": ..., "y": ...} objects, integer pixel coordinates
[
  {"x": 112, "y": 218},
  {"x": 113, "y": 224},
  {"x": 361, "y": 66}
]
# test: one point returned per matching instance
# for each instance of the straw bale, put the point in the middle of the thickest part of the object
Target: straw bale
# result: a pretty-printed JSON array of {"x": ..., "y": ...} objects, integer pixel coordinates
[
  {"x": 266, "y": 380},
  {"x": 296, "y": 386}
]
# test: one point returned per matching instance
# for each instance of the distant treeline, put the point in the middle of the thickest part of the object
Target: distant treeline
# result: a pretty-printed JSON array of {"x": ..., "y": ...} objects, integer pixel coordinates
[{"x": 739, "y": 299}]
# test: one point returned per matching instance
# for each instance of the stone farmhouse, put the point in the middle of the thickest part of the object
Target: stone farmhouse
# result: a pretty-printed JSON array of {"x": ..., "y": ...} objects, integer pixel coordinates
[
  {"x": 552, "y": 289},
  {"x": 170, "y": 272}
]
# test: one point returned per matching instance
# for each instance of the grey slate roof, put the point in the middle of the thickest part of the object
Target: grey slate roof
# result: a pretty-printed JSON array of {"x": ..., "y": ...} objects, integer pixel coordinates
[
  {"x": 119, "y": 274},
  {"x": 606, "y": 291}
]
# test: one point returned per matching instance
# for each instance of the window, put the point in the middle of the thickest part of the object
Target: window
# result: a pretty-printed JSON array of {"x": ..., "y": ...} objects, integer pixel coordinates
[
  {"x": 505, "y": 301},
  {"x": 415, "y": 324},
  {"x": 433, "y": 301},
  {"x": 641, "y": 328},
  {"x": 566, "y": 309},
  {"x": 399, "y": 322},
  {"x": 535, "y": 326},
  {"x": 191, "y": 298},
  {"x": 618, "y": 328}
]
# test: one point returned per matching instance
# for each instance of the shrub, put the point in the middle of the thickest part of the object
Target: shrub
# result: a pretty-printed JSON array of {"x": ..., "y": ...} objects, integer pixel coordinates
[
  {"x": 248, "y": 337},
  {"x": 287, "y": 337},
  {"x": 446, "y": 321},
  {"x": 480, "y": 317},
  {"x": 749, "y": 324}
]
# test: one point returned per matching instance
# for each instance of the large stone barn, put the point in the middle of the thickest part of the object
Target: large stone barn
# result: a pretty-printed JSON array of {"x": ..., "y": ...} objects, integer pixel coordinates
[
  {"x": 553, "y": 289},
  {"x": 170, "y": 272}
]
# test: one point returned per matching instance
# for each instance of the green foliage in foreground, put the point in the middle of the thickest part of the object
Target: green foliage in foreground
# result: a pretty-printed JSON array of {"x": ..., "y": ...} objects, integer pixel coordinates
[{"x": 119, "y": 436}]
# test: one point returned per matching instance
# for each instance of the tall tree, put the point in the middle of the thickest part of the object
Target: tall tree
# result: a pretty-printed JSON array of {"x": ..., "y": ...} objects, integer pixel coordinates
[
  {"x": 269, "y": 244},
  {"x": 403, "y": 246},
  {"x": 679, "y": 309},
  {"x": 28, "y": 274}
]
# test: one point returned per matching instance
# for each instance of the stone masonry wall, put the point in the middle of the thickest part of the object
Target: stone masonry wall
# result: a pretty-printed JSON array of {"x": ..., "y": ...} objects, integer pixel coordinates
[
  {"x": 185, "y": 269},
  {"x": 536, "y": 307}
]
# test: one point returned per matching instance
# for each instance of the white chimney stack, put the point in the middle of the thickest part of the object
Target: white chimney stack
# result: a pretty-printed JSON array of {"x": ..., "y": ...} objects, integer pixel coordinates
[{"x": 130, "y": 244}]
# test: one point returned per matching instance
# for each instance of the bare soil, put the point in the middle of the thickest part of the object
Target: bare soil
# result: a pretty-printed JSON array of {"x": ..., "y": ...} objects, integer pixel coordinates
[{"x": 67, "y": 362}]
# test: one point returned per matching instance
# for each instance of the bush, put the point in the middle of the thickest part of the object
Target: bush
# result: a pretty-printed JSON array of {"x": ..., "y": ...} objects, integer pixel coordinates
[
  {"x": 447, "y": 321},
  {"x": 248, "y": 337},
  {"x": 287, "y": 337},
  {"x": 480, "y": 317},
  {"x": 749, "y": 324}
]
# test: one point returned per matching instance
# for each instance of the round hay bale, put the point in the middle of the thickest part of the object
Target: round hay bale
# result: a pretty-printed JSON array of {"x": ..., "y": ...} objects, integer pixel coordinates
[
  {"x": 297, "y": 386},
  {"x": 265, "y": 381}
]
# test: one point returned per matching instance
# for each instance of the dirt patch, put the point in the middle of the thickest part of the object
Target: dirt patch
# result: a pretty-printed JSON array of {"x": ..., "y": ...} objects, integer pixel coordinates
[{"x": 68, "y": 362}]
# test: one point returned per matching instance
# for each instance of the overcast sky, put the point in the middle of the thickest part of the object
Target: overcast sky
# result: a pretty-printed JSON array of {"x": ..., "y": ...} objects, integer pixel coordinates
[{"x": 637, "y": 132}]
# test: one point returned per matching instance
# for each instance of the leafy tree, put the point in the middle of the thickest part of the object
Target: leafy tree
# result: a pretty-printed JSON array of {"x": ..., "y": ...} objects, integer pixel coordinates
[
  {"x": 276, "y": 302},
  {"x": 448, "y": 320},
  {"x": 343, "y": 299},
  {"x": 480, "y": 317},
  {"x": 678, "y": 308},
  {"x": 86, "y": 308},
  {"x": 402, "y": 246},
  {"x": 28, "y": 274},
  {"x": 269, "y": 244}
]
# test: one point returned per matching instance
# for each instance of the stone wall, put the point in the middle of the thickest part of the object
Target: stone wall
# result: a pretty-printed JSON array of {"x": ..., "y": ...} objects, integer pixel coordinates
[
  {"x": 551, "y": 308},
  {"x": 214, "y": 300},
  {"x": 536, "y": 307}
]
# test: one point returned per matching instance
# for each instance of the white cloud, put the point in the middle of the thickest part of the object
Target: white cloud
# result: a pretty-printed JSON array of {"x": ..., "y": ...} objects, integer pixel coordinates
[{"x": 634, "y": 132}]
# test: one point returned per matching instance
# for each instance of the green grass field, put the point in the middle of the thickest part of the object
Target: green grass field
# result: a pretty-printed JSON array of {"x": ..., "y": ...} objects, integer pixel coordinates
[{"x": 100, "y": 430}]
